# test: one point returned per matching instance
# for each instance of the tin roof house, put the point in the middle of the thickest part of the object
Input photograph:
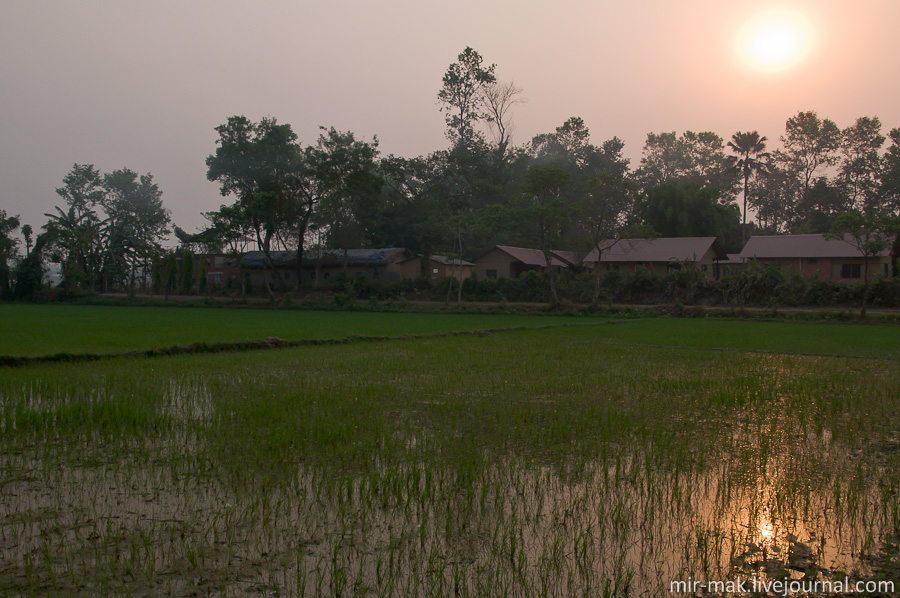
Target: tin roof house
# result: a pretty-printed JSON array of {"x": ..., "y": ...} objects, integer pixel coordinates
[
  {"x": 658, "y": 255},
  {"x": 504, "y": 261},
  {"x": 816, "y": 255}
]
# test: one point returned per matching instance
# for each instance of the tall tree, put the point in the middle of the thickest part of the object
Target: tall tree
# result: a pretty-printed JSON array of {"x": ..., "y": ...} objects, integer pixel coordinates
[
  {"x": 810, "y": 146},
  {"x": 545, "y": 204},
  {"x": 772, "y": 194},
  {"x": 692, "y": 158},
  {"x": 28, "y": 235},
  {"x": 77, "y": 228},
  {"x": 462, "y": 97},
  {"x": 750, "y": 149},
  {"x": 889, "y": 177},
  {"x": 499, "y": 99},
  {"x": 606, "y": 215},
  {"x": 568, "y": 147},
  {"x": 417, "y": 209},
  {"x": 263, "y": 166},
  {"x": 8, "y": 251},
  {"x": 350, "y": 186},
  {"x": 136, "y": 219},
  {"x": 861, "y": 148},
  {"x": 687, "y": 210}
]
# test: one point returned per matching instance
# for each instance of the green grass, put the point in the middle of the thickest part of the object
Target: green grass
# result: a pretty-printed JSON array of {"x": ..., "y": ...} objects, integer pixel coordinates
[
  {"x": 34, "y": 330},
  {"x": 812, "y": 338},
  {"x": 588, "y": 460}
]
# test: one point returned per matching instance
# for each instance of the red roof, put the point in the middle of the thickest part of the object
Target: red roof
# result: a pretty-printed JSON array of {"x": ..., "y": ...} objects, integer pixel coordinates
[
  {"x": 666, "y": 249},
  {"x": 799, "y": 246}
]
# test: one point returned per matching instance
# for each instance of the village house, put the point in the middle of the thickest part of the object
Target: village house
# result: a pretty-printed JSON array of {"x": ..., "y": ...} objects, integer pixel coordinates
[
  {"x": 509, "y": 262},
  {"x": 322, "y": 266},
  {"x": 815, "y": 255},
  {"x": 222, "y": 268},
  {"x": 659, "y": 255},
  {"x": 439, "y": 266}
]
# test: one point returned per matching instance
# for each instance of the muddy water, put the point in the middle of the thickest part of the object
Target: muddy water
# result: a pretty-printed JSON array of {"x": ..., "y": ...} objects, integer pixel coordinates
[{"x": 803, "y": 509}]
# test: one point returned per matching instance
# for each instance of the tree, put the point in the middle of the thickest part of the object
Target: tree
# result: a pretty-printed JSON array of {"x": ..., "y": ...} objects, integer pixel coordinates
[
  {"x": 544, "y": 204},
  {"x": 202, "y": 271},
  {"x": 462, "y": 97},
  {"x": 810, "y": 146},
  {"x": 263, "y": 166},
  {"x": 692, "y": 158},
  {"x": 136, "y": 219},
  {"x": 687, "y": 210},
  {"x": 350, "y": 187},
  {"x": 861, "y": 146},
  {"x": 606, "y": 215},
  {"x": 750, "y": 149},
  {"x": 186, "y": 282},
  {"x": 499, "y": 99},
  {"x": 568, "y": 148},
  {"x": 29, "y": 272},
  {"x": 871, "y": 233},
  {"x": 170, "y": 266},
  {"x": 8, "y": 252},
  {"x": 817, "y": 210},
  {"x": 228, "y": 231},
  {"x": 77, "y": 229},
  {"x": 889, "y": 177},
  {"x": 771, "y": 195},
  {"x": 27, "y": 234},
  {"x": 417, "y": 208}
]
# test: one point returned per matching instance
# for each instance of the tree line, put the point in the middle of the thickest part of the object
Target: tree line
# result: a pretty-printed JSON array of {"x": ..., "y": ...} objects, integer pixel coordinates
[{"x": 557, "y": 190}]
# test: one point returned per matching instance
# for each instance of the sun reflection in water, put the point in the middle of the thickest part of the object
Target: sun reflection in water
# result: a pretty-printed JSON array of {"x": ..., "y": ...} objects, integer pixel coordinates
[{"x": 766, "y": 529}]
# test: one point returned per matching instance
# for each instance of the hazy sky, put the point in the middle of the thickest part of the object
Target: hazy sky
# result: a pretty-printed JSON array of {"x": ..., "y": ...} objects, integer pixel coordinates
[{"x": 123, "y": 83}]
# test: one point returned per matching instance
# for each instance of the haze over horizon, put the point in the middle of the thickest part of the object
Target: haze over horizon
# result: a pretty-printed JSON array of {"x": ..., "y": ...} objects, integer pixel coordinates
[{"x": 142, "y": 85}]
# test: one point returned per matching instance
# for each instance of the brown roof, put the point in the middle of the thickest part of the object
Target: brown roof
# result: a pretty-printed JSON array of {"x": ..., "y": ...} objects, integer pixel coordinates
[
  {"x": 328, "y": 257},
  {"x": 446, "y": 261},
  {"x": 656, "y": 250},
  {"x": 571, "y": 257},
  {"x": 530, "y": 257},
  {"x": 798, "y": 246}
]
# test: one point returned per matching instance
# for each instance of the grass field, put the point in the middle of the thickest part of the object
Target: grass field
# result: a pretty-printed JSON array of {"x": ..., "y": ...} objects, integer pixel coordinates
[
  {"x": 596, "y": 460},
  {"x": 33, "y": 330}
]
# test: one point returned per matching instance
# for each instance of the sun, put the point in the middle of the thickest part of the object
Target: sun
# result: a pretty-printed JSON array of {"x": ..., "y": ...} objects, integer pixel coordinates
[{"x": 775, "y": 41}]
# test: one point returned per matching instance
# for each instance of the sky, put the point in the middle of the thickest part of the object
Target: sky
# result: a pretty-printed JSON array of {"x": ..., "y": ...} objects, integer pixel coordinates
[{"x": 142, "y": 84}]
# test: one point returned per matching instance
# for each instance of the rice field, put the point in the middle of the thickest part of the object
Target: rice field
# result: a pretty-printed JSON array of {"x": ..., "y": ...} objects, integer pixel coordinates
[
  {"x": 605, "y": 459},
  {"x": 36, "y": 330}
]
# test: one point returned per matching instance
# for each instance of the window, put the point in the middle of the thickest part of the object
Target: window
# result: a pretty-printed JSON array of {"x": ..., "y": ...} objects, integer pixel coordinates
[
  {"x": 704, "y": 267},
  {"x": 851, "y": 271},
  {"x": 812, "y": 260},
  {"x": 434, "y": 271},
  {"x": 491, "y": 274}
]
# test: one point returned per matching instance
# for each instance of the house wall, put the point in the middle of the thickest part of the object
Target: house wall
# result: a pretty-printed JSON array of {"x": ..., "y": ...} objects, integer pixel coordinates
[
  {"x": 878, "y": 268},
  {"x": 451, "y": 271},
  {"x": 706, "y": 265},
  {"x": 828, "y": 268},
  {"x": 494, "y": 260},
  {"x": 410, "y": 268}
]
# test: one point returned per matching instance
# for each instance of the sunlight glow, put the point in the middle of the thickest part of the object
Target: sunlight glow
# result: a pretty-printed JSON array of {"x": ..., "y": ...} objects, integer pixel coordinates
[{"x": 775, "y": 41}]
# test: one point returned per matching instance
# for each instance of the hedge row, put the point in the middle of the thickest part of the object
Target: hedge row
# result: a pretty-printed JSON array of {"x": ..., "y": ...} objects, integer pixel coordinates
[{"x": 763, "y": 286}]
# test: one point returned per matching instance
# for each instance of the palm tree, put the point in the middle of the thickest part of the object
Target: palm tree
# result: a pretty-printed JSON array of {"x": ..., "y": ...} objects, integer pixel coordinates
[{"x": 751, "y": 151}]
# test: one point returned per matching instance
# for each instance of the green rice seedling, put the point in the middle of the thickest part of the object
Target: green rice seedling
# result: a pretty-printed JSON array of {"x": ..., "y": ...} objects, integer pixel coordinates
[{"x": 610, "y": 465}]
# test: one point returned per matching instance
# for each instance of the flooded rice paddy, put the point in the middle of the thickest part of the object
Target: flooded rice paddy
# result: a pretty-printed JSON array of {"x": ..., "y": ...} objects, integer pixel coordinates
[{"x": 556, "y": 462}]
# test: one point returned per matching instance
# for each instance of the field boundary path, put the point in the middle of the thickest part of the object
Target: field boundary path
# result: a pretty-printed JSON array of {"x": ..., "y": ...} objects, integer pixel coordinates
[{"x": 272, "y": 342}]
